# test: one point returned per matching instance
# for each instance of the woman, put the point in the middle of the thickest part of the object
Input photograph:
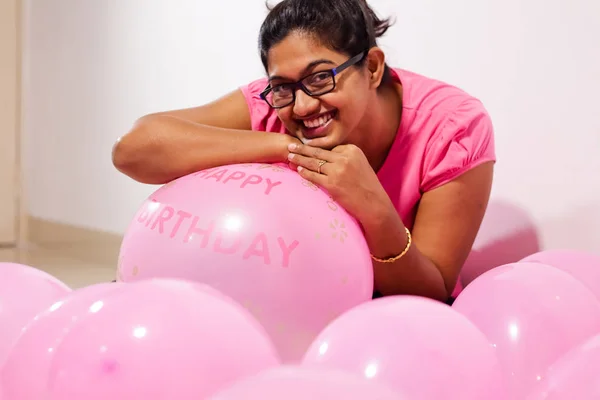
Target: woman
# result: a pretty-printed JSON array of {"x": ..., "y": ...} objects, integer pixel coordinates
[{"x": 411, "y": 158}]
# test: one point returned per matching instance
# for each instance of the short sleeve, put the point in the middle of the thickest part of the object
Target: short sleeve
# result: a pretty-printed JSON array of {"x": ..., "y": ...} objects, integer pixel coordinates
[
  {"x": 465, "y": 140},
  {"x": 262, "y": 116}
]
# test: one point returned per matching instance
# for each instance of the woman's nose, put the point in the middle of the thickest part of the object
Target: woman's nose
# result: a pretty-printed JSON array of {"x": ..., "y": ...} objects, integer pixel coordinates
[{"x": 305, "y": 105}]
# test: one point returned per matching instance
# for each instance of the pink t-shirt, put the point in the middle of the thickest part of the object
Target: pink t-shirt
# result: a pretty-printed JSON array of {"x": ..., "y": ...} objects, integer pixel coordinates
[{"x": 443, "y": 133}]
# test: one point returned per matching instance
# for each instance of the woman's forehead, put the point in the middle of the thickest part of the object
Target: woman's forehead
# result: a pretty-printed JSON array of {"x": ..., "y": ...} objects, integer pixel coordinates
[{"x": 296, "y": 54}]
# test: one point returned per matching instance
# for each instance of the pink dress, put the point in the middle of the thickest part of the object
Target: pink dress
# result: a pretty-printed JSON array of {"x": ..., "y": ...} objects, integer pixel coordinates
[{"x": 443, "y": 133}]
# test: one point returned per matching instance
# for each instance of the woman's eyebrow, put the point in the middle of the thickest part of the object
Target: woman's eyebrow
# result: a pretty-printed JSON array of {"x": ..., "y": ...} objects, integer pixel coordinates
[{"x": 306, "y": 69}]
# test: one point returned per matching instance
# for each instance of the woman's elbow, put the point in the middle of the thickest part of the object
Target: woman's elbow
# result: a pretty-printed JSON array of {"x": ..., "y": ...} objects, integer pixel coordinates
[
  {"x": 119, "y": 156},
  {"x": 125, "y": 158},
  {"x": 129, "y": 155}
]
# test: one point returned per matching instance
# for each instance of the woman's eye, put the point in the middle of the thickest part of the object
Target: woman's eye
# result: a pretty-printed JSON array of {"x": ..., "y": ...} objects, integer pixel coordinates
[
  {"x": 280, "y": 89},
  {"x": 320, "y": 79}
]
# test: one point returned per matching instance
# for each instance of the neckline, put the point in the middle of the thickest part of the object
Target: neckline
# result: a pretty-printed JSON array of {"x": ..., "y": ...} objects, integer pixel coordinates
[{"x": 401, "y": 128}]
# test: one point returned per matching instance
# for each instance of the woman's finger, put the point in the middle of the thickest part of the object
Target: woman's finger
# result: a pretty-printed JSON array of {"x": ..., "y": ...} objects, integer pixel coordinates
[
  {"x": 313, "y": 164},
  {"x": 312, "y": 176},
  {"x": 312, "y": 152}
]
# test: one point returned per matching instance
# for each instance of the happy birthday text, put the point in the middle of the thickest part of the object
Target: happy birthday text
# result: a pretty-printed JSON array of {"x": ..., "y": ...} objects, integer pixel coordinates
[
  {"x": 241, "y": 178},
  {"x": 203, "y": 233}
]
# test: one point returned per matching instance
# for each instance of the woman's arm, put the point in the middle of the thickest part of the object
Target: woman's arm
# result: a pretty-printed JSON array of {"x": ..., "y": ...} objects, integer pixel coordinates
[
  {"x": 446, "y": 225},
  {"x": 165, "y": 146},
  {"x": 447, "y": 220}
]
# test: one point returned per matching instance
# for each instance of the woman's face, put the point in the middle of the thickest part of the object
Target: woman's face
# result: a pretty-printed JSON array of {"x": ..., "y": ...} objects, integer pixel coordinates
[{"x": 335, "y": 116}]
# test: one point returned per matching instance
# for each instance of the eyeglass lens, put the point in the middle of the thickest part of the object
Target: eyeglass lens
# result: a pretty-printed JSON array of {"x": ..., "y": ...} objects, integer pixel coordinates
[{"x": 316, "y": 84}]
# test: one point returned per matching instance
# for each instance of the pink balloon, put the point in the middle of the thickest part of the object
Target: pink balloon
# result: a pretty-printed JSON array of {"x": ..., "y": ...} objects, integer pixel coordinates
[
  {"x": 420, "y": 346},
  {"x": 24, "y": 292},
  {"x": 262, "y": 235},
  {"x": 305, "y": 383},
  {"x": 25, "y": 374},
  {"x": 532, "y": 314},
  {"x": 581, "y": 265},
  {"x": 159, "y": 340},
  {"x": 573, "y": 376}
]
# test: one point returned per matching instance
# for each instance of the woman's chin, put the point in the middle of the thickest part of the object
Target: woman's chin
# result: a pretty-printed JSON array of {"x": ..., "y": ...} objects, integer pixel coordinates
[{"x": 326, "y": 141}]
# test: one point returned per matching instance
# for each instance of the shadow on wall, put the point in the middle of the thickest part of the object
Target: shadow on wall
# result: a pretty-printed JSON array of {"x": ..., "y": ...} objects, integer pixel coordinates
[{"x": 507, "y": 235}]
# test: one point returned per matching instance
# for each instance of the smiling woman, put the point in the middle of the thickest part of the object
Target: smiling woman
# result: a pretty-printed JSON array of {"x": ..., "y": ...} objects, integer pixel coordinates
[{"x": 410, "y": 157}]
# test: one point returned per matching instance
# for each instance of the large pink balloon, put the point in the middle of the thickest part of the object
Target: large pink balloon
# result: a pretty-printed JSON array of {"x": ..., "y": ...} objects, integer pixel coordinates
[
  {"x": 305, "y": 383},
  {"x": 24, "y": 292},
  {"x": 573, "y": 376},
  {"x": 159, "y": 340},
  {"x": 24, "y": 376},
  {"x": 262, "y": 235},
  {"x": 532, "y": 314},
  {"x": 582, "y": 265},
  {"x": 419, "y": 346}
]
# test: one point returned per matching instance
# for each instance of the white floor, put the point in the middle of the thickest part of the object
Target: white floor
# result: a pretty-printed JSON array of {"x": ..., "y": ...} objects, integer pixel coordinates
[{"x": 74, "y": 272}]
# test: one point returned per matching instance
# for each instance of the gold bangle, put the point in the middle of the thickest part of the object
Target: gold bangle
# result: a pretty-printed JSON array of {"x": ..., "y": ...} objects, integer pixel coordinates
[{"x": 399, "y": 256}]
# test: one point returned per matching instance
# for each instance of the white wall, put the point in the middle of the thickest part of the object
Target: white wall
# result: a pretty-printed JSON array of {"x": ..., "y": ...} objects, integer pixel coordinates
[{"x": 92, "y": 68}]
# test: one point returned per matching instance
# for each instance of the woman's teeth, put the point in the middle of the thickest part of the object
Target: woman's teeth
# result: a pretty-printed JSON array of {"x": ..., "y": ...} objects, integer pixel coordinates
[{"x": 317, "y": 122}]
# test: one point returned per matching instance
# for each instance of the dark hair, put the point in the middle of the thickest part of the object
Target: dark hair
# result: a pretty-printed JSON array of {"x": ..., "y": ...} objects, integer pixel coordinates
[{"x": 346, "y": 26}]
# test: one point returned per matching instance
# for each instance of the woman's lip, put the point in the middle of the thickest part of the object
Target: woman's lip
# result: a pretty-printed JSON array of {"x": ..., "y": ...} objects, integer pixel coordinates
[
  {"x": 313, "y": 133},
  {"x": 318, "y": 115}
]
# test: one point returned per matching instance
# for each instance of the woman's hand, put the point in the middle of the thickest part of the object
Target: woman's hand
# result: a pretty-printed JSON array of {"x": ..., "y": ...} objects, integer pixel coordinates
[{"x": 345, "y": 173}]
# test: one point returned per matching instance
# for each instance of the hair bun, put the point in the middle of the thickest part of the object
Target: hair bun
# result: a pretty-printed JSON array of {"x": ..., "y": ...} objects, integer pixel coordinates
[{"x": 380, "y": 26}]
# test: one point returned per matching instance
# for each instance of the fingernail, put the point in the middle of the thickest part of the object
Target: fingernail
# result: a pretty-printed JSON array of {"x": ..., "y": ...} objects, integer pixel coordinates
[
  {"x": 292, "y": 146},
  {"x": 300, "y": 169},
  {"x": 291, "y": 156},
  {"x": 306, "y": 141}
]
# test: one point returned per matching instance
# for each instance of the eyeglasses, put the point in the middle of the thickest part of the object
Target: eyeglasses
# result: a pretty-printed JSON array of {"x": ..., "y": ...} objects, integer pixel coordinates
[{"x": 315, "y": 84}]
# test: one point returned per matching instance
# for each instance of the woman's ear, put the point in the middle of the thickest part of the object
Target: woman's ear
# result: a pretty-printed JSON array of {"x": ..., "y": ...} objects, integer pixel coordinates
[{"x": 375, "y": 64}]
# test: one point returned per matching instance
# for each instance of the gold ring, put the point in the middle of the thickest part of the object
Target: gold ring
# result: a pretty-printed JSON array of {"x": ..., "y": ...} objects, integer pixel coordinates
[{"x": 321, "y": 163}]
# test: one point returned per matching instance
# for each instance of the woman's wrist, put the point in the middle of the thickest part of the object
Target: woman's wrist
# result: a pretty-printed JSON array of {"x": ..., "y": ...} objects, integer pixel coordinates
[
  {"x": 379, "y": 213},
  {"x": 280, "y": 149}
]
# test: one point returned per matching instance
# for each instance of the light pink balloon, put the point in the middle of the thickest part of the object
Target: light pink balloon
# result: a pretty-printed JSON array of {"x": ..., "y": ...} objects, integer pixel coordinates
[
  {"x": 532, "y": 314},
  {"x": 306, "y": 383},
  {"x": 24, "y": 292},
  {"x": 24, "y": 376},
  {"x": 573, "y": 376},
  {"x": 581, "y": 265},
  {"x": 421, "y": 347},
  {"x": 159, "y": 340},
  {"x": 262, "y": 235}
]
